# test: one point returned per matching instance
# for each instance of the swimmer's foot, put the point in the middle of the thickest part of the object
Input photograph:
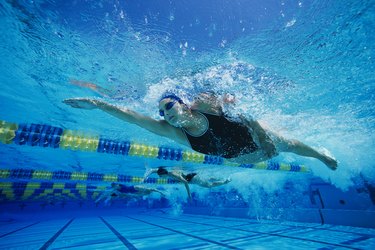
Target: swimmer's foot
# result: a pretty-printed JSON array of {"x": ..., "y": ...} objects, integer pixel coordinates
[
  {"x": 327, "y": 158},
  {"x": 227, "y": 180},
  {"x": 330, "y": 162}
]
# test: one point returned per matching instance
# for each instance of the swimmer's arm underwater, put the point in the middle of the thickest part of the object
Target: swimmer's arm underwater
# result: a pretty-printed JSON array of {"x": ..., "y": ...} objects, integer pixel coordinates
[
  {"x": 158, "y": 127},
  {"x": 212, "y": 103},
  {"x": 187, "y": 188},
  {"x": 207, "y": 102},
  {"x": 178, "y": 176}
]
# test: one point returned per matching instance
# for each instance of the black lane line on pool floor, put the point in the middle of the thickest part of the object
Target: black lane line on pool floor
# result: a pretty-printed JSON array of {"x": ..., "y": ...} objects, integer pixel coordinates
[
  {"x": 256, "y": 236},
  {"x": 356, "y": 240},
  {"x": 263, "y": 233},
  {"x": 331, "y": 228},
  {"x": 192, "y": 246},
  {"x": 97, "y": 244},
  {"x": 186, "y": 234},
  {"x": 54, "y": 237},
  {"x": 119, "y": 236},
  {"x": 165, "y": 235},
  {"x": 19, "y": 229}
]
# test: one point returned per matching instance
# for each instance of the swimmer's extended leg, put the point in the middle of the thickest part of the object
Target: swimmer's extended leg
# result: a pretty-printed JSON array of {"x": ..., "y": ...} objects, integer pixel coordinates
[
  {"x": 101, "y": 197},
  {"x": 149, "y": 171},
  {"x": 302, "y": 149},
  {"x": 108, "y": 201},
  {"x": 158, "y": 191}
]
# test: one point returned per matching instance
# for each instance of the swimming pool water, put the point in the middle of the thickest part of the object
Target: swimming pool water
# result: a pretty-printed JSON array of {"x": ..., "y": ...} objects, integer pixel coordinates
[{"x": 304, "y": 68}]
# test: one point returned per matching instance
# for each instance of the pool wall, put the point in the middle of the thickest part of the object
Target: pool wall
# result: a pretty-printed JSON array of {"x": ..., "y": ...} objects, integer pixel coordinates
[
  {"x": 328, "y": 205},
  {"x": 322, "y": 203}
]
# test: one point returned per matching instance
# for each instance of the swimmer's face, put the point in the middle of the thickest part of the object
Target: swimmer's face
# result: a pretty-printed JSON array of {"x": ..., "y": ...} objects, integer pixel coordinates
[{"x": 172, "y": 111}]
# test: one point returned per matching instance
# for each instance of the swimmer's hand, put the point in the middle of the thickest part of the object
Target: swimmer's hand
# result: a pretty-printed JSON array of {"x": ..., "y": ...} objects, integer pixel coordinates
[
  {"x": 82, "y": 103},
  {"x": 229, "y": 98}
]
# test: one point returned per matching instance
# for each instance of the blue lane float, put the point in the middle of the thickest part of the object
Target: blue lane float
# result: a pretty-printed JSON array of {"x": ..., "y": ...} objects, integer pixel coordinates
[
  {"x": 55, "y": 137},
  {"x": 59, "y": 175}
]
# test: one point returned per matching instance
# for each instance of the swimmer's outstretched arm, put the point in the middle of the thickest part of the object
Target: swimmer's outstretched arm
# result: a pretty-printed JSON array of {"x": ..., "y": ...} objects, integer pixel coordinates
[
  {"x": 158, "y": 127},
  {"x": 146, "y": 190},
  {"x": 178, "y": 176}
]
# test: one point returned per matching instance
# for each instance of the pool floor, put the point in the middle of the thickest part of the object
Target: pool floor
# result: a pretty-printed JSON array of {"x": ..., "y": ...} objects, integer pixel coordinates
[{"x": 163, "y": 231}]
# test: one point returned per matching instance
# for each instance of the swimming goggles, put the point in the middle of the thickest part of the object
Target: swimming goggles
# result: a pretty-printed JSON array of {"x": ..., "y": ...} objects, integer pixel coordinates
[{"x": 168, "y": 106}]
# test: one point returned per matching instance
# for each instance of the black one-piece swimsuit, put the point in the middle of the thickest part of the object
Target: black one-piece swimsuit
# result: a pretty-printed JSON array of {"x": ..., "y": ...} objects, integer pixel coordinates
[{"x": 223, "y": 137}]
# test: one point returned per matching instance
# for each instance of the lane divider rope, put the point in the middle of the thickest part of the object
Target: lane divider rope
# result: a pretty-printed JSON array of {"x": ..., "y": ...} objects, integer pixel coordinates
[
  {"x": 55, "y": 137},
  {"x": 34, "y": 174}
]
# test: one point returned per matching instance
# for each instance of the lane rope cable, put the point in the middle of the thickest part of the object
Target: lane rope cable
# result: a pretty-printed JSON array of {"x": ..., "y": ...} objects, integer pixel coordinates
[{"x": 54, "y": 137}]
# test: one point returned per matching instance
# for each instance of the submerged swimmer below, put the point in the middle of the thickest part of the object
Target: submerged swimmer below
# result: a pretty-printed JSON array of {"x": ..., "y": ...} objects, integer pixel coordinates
[
  {"x": 186, "y": 179},
  {"x": 116, "y": 191},
  {"x": 205, "y": 128}
]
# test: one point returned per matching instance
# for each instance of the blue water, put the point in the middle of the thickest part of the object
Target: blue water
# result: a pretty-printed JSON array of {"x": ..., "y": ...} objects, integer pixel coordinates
[{"x": 303, "y": 68}]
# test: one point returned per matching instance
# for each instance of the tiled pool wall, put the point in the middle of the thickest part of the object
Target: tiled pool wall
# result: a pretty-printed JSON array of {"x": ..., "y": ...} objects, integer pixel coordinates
[
  {"x": 322, "y": 204},
  {"x": 326, "y": 205}
]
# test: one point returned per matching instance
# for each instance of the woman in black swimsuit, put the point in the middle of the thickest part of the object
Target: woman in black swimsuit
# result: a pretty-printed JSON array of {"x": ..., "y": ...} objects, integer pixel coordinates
[
  {"x": 186, "y": 179},
  {"x": 205, "y": 128}
]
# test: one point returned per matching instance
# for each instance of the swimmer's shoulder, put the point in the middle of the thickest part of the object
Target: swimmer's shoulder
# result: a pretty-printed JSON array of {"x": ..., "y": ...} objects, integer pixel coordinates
[
  {"x": 208, "y": 102},
  {"x": 172, "y": 133}
]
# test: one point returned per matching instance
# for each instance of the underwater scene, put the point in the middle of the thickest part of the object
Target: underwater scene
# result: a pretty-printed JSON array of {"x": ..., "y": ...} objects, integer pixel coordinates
[{"x": 216, "y": 124}]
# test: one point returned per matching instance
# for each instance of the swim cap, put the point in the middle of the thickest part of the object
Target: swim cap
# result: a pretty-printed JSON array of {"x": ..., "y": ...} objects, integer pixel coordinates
[
  {"x": 171, "y": 95},
  {"x": 162, "y": 171}
]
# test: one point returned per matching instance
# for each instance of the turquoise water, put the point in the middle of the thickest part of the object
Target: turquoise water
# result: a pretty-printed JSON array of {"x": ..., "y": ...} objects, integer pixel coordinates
[{"x": 304, "y": 68}]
